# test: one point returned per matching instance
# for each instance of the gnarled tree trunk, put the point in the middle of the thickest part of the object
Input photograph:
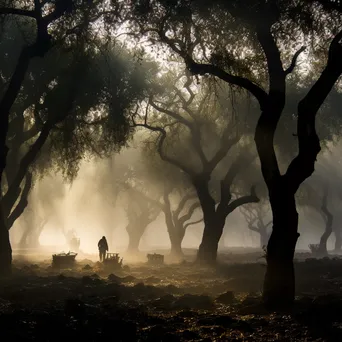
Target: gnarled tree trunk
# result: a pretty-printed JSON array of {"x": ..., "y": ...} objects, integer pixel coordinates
[
  {"x": 134, "y": 237},
  {"x": 176, "y": 221},
  {"x": 213, "y": 229},
  {"x": 5, "y": 247},
  {"x": 264, "y": 237},
  {"x": 22, "y": 203},
  {"x": 322, "y": 249},
  {"x": 176, "y": 249},
  {"x": 176, "y": 239},
  {"x": 328, "y": 218},
  {"x": 338, "y": 239},
  {"x": 338, "y": 242},
  {"x": 279, "y": 284},
  {"x": 5, "y": 106},
  {"x": 215, "y": 217},
  {"x": 31, "y": 235}
]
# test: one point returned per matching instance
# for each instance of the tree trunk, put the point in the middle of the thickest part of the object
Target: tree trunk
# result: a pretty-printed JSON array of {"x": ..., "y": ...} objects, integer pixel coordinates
[
  {"x": 279, "y": 284},
  {"x": 338, "y": 239},
  {"x": 30, "y": 239},
  {"x": 31, "y": 235},
  {"x": 5, "y": 248},
  {"x": 176, "y": 250},
  {"x": 328, "y": 219},
  {"x": 263, "y": 237},
  {"x": 133, "y": 244},
  {"x": 22, "y": 203},
  {"x": 221, "y": 244},
  {"x": 322, "y": 249},
  {"x": 213, "y": 228},
  {"x": 176, "y": 239},
  {"x": 36, "y": 234},
  {"x": 23, "y": 240},
  {"x": 134, "y": 237}
]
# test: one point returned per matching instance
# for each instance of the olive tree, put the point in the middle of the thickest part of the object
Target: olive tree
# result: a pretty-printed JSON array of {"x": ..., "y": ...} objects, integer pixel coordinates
[
  {"x": 200, "y": 136},
  {"x": 254, "y": 45}
]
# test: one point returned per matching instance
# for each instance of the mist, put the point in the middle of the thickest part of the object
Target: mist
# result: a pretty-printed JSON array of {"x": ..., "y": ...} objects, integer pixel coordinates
[
  {"x": 90, "y": 207},
  {"x": 170, "y": 170}
]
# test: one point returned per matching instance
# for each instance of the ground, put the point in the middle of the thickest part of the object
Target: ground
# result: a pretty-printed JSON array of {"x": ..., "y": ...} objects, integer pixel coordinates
[{"x": 168, "y": 303}]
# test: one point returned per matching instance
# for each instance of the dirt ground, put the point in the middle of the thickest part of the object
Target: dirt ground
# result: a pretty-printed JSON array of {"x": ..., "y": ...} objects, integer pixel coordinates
[{"x": 168, "y": 303}]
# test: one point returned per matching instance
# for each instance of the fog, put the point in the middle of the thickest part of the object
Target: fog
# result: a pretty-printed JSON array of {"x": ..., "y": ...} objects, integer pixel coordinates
[{"x": 88, "y": 206}]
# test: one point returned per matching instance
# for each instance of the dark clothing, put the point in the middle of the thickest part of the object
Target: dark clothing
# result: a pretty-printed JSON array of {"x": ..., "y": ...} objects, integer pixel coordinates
[
  {"x": 103, "y": 248},
  {"x": 102, "y": 255}
]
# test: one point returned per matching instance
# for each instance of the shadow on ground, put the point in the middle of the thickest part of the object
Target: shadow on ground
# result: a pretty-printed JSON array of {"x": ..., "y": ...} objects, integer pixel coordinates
[{"x": 169, "y": 303}]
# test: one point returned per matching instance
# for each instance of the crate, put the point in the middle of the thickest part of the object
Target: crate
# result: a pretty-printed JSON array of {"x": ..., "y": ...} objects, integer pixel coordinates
[
  {"x": 64, "y": 260},
  {"x": 113, "y": 261},
  {"x": 155, "y": 259}
]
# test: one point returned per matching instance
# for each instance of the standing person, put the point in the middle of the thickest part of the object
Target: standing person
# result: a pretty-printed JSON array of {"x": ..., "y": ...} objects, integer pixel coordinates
[{"x": 103, "y": 248}]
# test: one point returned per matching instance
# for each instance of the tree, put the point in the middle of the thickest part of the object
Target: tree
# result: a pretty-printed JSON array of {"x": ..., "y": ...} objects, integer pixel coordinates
[
  {"x": 179, "y": 219},
  {"x": 140, "y": 213},
  {"x": 212, "y": 40},
  {"x": 23, "y": 147},
  {"x": 176, "y": 197},
  {"x": 73, "y": 103},
  {"x": 34, "y": 226},
  {"x": 330, "y": 170},
  {"x": 328, "y": 220},
  {"x": 198, "y": 118},
  {"x": 338, "y": 235},
  {"x": 321, "y": 194},
  {"x": 327, "y": 216},
  {"x": 137, "y": 194},
  {"x": 158, "y": 187},
  {"x": 43, "y": 208},
  {"x": 39, "y": 47},
  {"x": 257, "y": 220},
  {"x": 316, "y": 194}
]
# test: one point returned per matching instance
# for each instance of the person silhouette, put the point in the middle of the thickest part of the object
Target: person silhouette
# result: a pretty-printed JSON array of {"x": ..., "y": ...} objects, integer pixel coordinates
[{"x": 103, "y": 248}]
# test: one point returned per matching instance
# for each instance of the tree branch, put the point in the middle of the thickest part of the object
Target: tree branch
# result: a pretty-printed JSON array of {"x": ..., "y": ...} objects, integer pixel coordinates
[
  {"x": 17, "y": 11},
  {"x": 144, "y": 196},
  {"x": 182, "y": 203},
  {"x": 303, "y": 164},
  {"x": 22, "y": 204},
  {"x": 227, "y": 143},
  {"x": 171, "y": 114},
  {"x": 202, "y": 69},
  {"x": 35, "y": 148},
  {"x": 274, "y": 64},
  {"x": 328, "y": 217},
  {"x": 249, "y": 214},
  {"x": 195, "y": 133},
  {"x": 271, "y": 113},
  {"x": 294, "y": 60},
  {"x": 241, "y": 161},
  {"x": 162, "y": 155},
  {"x": 190, "y": 212},
  {"x": 61, "y": 8},
  {"x": 252, "y": 198},
  {"x": 253, "y": 228},
  {"x": 268, "y": 224},
  {"x": 192, "y": 223}
]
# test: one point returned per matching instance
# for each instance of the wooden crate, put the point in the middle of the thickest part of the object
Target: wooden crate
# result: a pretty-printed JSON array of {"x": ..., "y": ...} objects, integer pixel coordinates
[
  {"x": 155, "y": 259},
  {"x": 64, "y": 259}
]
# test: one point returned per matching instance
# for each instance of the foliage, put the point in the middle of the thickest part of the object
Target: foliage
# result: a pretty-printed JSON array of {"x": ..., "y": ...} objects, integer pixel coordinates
[{"x": 106, "y": 84}]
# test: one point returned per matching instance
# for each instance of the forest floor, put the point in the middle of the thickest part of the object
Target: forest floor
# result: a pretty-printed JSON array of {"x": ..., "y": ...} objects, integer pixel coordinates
[{"x": 168, "y": 303}]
